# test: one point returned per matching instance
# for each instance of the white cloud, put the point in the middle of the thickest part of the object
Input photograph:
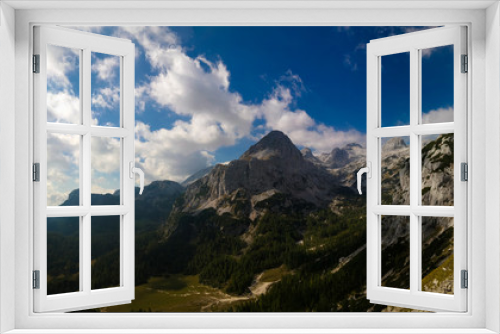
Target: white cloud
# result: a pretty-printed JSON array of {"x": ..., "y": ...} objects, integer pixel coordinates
[
  {"x": 63, "y": 156},
  {"x": 60, "y": 62},
  {"x": 97, "y": 189},
  {"x": 106, "y": 97},
  {"x": 106, "y": 68},
  {"x": 141, "y": 97},
  {"x": 173, "y": 154},
  {"x": 212, "y": 115},
  {"x": 105, "y": 155},
  {"x": 440, "y": 115},
  {"x": 63, "y": 107},
  {"x": 300, "y": 127}
]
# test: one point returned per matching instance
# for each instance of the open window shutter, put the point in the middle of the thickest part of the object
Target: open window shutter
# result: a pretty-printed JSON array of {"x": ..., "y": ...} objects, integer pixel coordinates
[
  {"x": 403, "y": 228},
  {"x": 69, "y": 142}
]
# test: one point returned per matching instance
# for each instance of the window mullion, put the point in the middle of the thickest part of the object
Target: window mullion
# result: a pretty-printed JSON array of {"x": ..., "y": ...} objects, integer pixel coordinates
[
  {"x": 414, "y": 171},
  {"x": 86, "y": 173}
]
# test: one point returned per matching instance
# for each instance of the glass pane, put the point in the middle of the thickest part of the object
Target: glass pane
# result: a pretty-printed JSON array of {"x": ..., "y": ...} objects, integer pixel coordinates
[
  {"x": 437, "y": 170},
  {"x": 395, "y": 173},
  {"x": 63, "y": 255},
  {"x": 105, "y": 252},
  {"x": 63, "y": 169},
  {"x": 395, "y": 95},
  {"x": 105, "y": 83},
  {"x": 63, "y": 85},
  {"x": 437, "y": 84},
  {"x": 105, "y": 155},
  {"x": 396, "y": 252},
  {"x": 437, "y": 254}
]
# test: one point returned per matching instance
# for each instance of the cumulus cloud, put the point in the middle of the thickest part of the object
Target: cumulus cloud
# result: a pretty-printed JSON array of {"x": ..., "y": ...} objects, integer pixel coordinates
[
  {"x": 171, "y": 154},
  {"x": 63, "y": 156},
  {"x": 63, "y": 107},
  {"x": 106, "y": 97},
  {"x": 194, "y": 88},
  {"x": 440, "y": 115},
  {"x": 105, "y": 165},
  {"x": 300, "y": 127},
  {"x": 60, "y": 62},
  {"x": 106, "y": 68}
]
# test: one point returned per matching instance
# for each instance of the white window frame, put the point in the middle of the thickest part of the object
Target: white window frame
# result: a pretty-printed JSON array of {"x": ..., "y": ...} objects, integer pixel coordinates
[
  {"x": 86, "y": 43},
  {"x": 483, "y": 21},
  {"x": 413, "y": 43}
]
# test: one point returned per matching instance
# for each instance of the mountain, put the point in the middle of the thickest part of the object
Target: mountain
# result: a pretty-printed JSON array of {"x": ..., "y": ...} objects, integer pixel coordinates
[
  {"x": 272, "y": 168},
  {"x": 151, "y": 208},
  {"x": 277, "y": 229},
  {"x": 395, "y": 143},
  {"x": 199, "y": 174},
  {"x": 156, "y": 201},
  {"x": 437, "y": 171}
]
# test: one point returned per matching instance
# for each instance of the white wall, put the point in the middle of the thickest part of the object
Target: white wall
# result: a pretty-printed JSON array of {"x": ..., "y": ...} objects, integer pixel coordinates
[
  {"x": 492, "y": 164},
  {"x": 7, "y": 160}
]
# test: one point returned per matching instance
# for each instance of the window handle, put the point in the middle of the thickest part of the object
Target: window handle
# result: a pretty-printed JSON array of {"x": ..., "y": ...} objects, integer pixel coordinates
[
  {"x": 368, "y": 171},
  {"x": 134, "y": 170}
]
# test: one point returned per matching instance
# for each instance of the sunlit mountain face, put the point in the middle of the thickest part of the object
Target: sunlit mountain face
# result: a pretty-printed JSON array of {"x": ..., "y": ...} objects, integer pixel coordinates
[{"x": 250, "y": 138}]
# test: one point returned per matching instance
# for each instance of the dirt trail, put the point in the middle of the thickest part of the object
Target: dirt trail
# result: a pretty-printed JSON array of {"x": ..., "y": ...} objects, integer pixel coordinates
[
  {"x": 256, "y": 289},
  {"x": 345, "y": 260}
]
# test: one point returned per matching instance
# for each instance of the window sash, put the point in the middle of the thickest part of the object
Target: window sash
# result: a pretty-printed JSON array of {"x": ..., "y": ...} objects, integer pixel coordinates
[
  {"x": 85, "y": 298},
  {"x": 412, "y": 43}
]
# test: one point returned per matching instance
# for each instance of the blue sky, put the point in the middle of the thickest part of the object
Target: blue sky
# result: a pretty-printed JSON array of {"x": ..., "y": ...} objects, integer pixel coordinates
[{"x": 205, "y": 94}]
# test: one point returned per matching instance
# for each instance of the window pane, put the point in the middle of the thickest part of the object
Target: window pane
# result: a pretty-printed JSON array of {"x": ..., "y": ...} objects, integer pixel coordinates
[
  {"x": 105, "y": 170},
  {"x": 395, "y": 95},
  {"x": 105, "y": 249},
  {"x": 437, "y": 254},
  {"x": 395, "y": 252},
  {"x": 63, "y": 255},
  {"x": 105, "y": 90},
  {"x": 395, "y": 173},
  {"x": 437, "y": 170},
  {"x": 63, "y": 169},
  {"x": 63, "y": 85},
  {"x": 437, "y": 84}
]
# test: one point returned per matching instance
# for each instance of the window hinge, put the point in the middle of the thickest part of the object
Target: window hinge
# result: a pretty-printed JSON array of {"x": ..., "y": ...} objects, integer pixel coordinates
[
  {"x": 464, "y": 171},
  {"x": 36, "y": 63},
  {"x": 465, "y": 64},
  {"x": 36, "y": 279},
  {"x": 36, "y": 172},
  {"x": 465, "y": 279}
]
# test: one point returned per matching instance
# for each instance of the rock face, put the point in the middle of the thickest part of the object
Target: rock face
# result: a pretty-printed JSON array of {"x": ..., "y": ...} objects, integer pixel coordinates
[
  {"x": 437, "y": 232},
  {"x": 395, "y": 172},
  {"x": 199, "y": 174},
  {"x": 437, "y": 171},
  {"x": 395, "y": 143},
  {"x": 273, "y": 166},
  {"x": 308, "y": 155}
]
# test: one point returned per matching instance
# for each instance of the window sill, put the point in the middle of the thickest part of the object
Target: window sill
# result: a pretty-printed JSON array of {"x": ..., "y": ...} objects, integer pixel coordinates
[{"x": 250, "y": 331}]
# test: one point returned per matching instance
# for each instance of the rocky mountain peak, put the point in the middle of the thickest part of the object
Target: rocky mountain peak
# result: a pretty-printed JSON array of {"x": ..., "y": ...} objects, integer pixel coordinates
[
  {"x": 339, "y": 157},
  {"x": 395, "y": 143},
  {"x": 272, "y": 167},
  {"x": 307, "y": 153},
  {"x": 274, "y": 144}
]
